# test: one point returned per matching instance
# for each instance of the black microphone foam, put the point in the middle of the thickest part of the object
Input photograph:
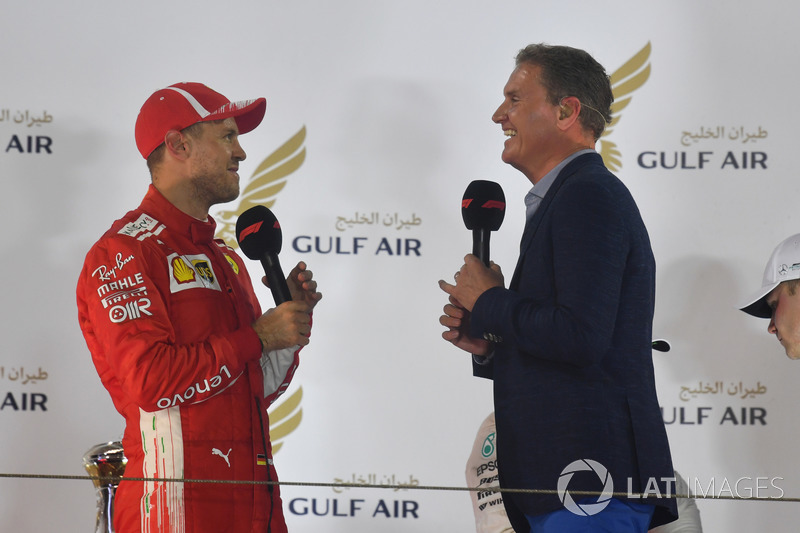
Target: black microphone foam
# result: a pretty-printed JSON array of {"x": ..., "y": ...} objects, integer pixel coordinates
[
  {"x": 483, "y": 205},
  {"x": 260, "y": 238},
  {"x": 483, "y": 208}
]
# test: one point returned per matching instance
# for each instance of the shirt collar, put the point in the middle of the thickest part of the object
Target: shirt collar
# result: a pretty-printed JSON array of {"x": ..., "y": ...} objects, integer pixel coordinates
[{"x": 538, "y": 191}]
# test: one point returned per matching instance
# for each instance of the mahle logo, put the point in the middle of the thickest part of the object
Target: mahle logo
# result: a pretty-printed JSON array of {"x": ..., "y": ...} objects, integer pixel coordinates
[
  {"x": 624, "y": 81},
  {"x": 584, "y": 508}
]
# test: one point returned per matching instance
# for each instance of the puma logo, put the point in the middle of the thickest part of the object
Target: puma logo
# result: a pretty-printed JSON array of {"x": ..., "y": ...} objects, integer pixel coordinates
[{"x": 215, "y": 451}]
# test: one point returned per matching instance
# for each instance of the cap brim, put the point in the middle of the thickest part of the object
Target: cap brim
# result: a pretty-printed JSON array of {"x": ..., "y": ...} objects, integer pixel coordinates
[
  {"x": 248, "y": 113},
  {"x": 757, "y": 305}
]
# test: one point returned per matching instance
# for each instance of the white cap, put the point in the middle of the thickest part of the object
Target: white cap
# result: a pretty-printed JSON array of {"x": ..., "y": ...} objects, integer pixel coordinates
[{"x": 783, "y": 265}]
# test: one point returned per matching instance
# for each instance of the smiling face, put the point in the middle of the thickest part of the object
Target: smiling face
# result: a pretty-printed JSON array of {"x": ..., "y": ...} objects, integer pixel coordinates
[
  {"x": 215, "y": 158},
  {"x": 784, "y": 300},
  {"x": 529, "y": 121}
]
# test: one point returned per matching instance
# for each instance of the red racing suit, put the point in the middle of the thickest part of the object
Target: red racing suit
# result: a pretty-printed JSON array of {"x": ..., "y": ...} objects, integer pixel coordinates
[{"x": 166, "y": 311}]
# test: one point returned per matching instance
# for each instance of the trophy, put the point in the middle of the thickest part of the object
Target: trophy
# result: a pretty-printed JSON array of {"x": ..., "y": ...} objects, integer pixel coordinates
[{"x": 106, "y": 462}]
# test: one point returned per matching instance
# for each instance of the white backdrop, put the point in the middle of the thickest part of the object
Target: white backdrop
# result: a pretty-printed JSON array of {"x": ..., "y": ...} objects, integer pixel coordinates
[{"x": 395, "y": 100}]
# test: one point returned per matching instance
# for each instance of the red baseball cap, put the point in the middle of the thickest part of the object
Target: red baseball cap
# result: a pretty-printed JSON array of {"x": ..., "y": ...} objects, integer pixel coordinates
[{"x": 183, "y": 104}]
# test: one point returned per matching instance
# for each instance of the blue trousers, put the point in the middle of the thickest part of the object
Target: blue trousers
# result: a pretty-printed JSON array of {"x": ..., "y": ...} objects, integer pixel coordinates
[{"x": 617, "y": 517}]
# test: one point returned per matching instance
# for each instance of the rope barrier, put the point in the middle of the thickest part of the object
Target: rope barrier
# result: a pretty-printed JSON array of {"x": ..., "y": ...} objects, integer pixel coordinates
[{"x": 107, "y": 479}]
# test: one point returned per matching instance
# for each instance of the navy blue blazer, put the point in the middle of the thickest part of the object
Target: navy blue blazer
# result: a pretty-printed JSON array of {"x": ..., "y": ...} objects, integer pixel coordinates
[{"x": 573, "y": 370}]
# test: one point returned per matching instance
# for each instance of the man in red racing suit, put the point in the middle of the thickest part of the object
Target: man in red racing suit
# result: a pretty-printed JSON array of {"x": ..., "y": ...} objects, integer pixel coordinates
[{"x": 177, "y": 335}]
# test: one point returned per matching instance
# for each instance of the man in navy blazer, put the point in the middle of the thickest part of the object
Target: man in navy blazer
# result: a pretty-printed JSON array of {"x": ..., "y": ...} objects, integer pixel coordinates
[{"x": 568, "y": 343}]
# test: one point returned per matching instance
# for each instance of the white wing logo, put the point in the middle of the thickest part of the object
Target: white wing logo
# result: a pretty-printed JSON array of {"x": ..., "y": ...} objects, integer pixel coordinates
[
  {"x": 284, "y": 419},
  {"x": 624, "y": 81},
  {"x": 264, "y": 185}
]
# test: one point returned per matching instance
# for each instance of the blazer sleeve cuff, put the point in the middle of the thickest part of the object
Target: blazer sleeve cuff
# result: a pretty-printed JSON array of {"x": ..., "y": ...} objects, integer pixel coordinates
[{"x": 486, "y": 320}]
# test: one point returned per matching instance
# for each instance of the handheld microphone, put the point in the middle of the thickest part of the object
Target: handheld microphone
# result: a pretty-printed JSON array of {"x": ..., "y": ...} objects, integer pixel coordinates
[
  {"x": 483, "y": 208},
  {"x": 259, "y": 235}
]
